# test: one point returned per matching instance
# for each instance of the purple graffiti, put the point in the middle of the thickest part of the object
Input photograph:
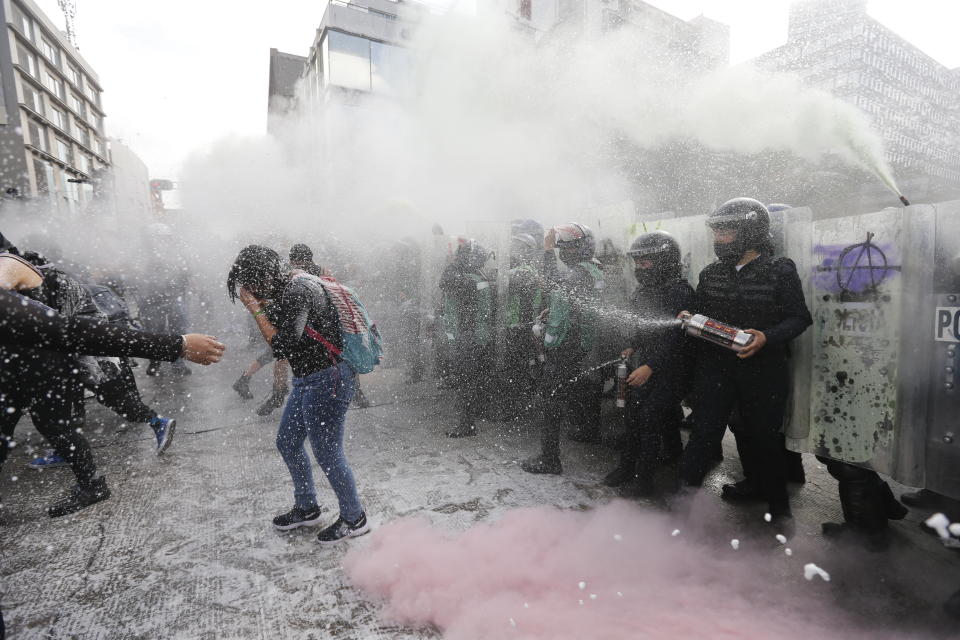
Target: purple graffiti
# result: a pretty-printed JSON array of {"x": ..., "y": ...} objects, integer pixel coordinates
[{"x": 856, "y": 268}]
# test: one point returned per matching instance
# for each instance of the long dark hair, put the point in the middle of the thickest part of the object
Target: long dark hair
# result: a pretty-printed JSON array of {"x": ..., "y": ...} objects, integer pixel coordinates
[{"x": 256, "y": 265}]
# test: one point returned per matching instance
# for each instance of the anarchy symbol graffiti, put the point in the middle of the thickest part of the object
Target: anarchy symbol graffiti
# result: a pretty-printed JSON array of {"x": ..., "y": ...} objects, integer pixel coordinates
[{"x": 861, "y": 268}]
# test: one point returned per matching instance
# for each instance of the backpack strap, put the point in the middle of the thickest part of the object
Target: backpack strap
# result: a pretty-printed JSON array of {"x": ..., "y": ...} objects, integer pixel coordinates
[{"x": 313, "y": 333}]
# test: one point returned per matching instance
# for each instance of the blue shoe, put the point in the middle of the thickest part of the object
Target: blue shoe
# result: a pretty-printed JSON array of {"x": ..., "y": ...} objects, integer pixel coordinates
[
  {"x": 49, "y": 460},
  {"x": 163, "y": 428}
]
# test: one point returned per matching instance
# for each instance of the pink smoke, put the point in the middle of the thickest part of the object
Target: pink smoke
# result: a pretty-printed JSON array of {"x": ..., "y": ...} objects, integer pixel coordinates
[{"x": 612, "y": 573}]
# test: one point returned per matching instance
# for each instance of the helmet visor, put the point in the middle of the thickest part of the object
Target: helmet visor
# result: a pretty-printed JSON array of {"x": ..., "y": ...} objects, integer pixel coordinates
[{"x": 569, "y": 233}]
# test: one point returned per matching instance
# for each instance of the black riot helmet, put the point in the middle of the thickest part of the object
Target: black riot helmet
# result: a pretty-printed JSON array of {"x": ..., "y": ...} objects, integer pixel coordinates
[
  {"x": 749, "y": 218},
  {"x": 524, "y": 249},
  {"x": 471, "y": 255},
  {"x": 663, "y": 250},
  {"x": 575, "y": 242}
]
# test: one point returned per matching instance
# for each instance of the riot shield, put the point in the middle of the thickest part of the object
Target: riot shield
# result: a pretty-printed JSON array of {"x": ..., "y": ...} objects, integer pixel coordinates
[
  {"x": 941, "y": 446},
  {"x": 868, "y": 279},
  {"x": 495, "y": 236}
]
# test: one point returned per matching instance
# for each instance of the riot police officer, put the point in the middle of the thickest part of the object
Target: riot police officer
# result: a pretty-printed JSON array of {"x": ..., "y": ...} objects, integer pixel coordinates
[
  {"x": 468, "y": 313},
  {"x": 570, "y": 335},
  {"x": 656, "y": 362},
  {"x": 749, "y": 288},
  {"x": 524, "y": 303}
]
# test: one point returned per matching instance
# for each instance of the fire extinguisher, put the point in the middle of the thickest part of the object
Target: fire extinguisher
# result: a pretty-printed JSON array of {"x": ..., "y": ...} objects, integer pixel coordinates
[
  {"x": 716, "y": 332},
  {"x": 622, "y": 383}
]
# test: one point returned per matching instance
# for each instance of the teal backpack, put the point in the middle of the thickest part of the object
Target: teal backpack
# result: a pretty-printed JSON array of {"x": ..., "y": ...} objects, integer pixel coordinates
[{"x": 362, "y": 344}]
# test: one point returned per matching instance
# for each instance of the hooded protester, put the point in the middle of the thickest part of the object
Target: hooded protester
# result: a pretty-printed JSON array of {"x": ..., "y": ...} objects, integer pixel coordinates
[{"x": 304, "y": 329}]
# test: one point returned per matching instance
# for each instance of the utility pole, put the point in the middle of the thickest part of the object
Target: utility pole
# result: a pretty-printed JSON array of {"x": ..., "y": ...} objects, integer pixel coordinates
[{"x": 69, "y": 8}]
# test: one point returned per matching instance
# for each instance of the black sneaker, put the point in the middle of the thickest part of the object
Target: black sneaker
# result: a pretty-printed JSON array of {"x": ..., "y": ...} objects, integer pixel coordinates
[
  {"x": 542, "y": 464},
  {"x": 275, "y": 401},
  {"x": 341, "y": 529},
  {"x": 242, "y": 386},
  {"x": 297, "y": 517},
  {"x": 80, "y": 497}
]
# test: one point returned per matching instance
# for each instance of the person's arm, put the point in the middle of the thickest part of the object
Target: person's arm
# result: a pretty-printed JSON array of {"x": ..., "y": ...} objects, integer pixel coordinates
[
  {"x": 26, "y": 323},
  {"x": 296, "y": 304}
]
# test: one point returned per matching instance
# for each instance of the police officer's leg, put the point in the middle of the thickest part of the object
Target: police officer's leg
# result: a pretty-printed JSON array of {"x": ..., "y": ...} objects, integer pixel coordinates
[
  {"x": 555, "y": 398},
  {"x": 655, "y": 408},
  {"x": 747, "y": 489},
  {"x": 867, "y": 503},
  {"x": 469, "y": 374},
  {"x": 713, "y": 398},
  {"x": 632, "y": 441},
  {"x": 762, "y": 389}
]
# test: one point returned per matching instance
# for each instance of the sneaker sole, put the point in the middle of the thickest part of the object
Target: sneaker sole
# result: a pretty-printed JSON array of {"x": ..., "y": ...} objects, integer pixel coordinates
[
  {"x": 356, "y": 533},
  {"x": 167, "y": 437},
  {"x": 41, "y": 467},
  {"x": 305, "y": 523}
]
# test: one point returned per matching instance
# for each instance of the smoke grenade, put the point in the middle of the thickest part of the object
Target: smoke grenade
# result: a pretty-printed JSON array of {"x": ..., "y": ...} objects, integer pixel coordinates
[{"x": 716, "y": 332}]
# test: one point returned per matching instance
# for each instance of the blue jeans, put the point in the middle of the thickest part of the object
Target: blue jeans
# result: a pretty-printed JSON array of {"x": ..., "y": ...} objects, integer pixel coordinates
[{"x": 317, "y": 409}]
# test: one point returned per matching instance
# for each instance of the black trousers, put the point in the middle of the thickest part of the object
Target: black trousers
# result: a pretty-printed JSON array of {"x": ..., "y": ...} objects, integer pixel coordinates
[
  {"x": 122, "y": 396},
  {"x": 566, "y": 394},
  {"x": 758, "y": 389},
  {"x": 54, "y": 400},
  {"x": 472, "y": 376},
  {"x": 518, "y": 387},
  {"x": 653, "y": 416}
]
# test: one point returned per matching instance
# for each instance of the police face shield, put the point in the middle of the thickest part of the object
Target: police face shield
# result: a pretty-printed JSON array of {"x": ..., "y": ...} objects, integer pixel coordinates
[{"x": 727, "y": 244}]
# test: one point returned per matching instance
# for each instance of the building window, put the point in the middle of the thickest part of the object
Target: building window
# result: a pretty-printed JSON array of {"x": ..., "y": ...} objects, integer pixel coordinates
[
  {"x": 65, "y": 151},
  {"x": 38, "y": 135},
  {"x": 27, "y": 60},
  {"x": 59, "y": 118},
  {"x": 93, "y": 93},
  {"x": 32, "y": 98},
  {"x": 98, "y": 146},
  {"x": 23, "y": 21},
  {"x": 349, "y": 61},
  {"x": 50, "y": 51},
  {"x": 83, "y": 135},
  {"x": 55, "y": 85},
  {"x": 391, "y": 69},
  {"x": 76, "y": 103},
  {"x": 42, "y": 172},
  {"x": 73, "y": 75},
  {"x": 83, "y": 162}
]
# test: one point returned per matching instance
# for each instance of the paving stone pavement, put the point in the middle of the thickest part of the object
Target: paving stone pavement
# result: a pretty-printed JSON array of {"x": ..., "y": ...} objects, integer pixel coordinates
[{"x": 185, "y": 548}]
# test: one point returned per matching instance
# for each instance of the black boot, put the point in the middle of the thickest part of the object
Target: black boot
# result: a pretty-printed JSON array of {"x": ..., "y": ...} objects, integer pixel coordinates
[
  {"x": 922, "y": 499},
  {"x": 640, "y": 485},
  {"x": 588, "y": 434},
  {"x": 361, "y": 401},
  {"x": 80, "y": 497},
  {"x": 242, "y": 386},
  {"x": 952, "y": 605},
  {"x": 275, "y": 401},
  {"x": 864, "y": 505},
  {"x": 542, "y": 464},
  {"x": 744, "y": 491},
  {"x": 153, "y": 369},
  {"x": 624, "y": 471},
  {"x": 794, "y": 467}
]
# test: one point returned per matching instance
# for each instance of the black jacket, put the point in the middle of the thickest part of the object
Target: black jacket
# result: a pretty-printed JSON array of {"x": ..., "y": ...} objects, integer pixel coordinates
[
  {"x": 764, "y": 295},
  {"x": 660, "y": 343}
]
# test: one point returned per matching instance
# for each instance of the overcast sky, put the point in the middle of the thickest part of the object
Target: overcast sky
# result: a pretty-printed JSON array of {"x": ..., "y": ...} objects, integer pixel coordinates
[{"x": 179, "y": 74}]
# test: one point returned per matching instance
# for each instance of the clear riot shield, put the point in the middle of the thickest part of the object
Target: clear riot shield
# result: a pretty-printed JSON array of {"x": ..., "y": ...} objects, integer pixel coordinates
[
  {"x": 696, "y": 243},
  {"x": 495, "y": 236},
  {"x": 792, "y": 234},
  {"x": 942, "y": 310},
  {"x": 869, "y": 275}
]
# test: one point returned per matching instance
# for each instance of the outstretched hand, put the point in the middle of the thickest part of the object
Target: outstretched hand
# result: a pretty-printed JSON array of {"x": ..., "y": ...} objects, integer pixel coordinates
[
  {"x": 202, "y": 349},
  {"x": 759, "y": 340}
]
